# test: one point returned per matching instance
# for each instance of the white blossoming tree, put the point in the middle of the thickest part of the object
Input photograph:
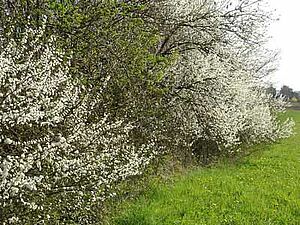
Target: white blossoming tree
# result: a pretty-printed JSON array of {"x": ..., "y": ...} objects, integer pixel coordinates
[
  {"x": 58, "y": 158},
  {"x": 218, "y": 95}
]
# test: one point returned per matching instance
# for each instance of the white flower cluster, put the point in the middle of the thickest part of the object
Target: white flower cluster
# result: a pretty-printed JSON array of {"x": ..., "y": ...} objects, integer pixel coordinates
[
  {"x": 225, "y": 104},
  {"x": 53, "y": 156},
  {"x": 219, "y": 98}
]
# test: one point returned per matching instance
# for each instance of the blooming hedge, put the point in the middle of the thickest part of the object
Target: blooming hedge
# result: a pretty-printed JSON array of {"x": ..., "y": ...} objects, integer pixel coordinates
[
  {"x": 91, "y": 95},
  {"x": 57, "y": 156}
]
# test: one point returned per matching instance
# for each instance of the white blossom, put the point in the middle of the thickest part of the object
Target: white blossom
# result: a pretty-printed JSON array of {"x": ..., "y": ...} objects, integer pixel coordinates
[{"x": 50, "y": 149}]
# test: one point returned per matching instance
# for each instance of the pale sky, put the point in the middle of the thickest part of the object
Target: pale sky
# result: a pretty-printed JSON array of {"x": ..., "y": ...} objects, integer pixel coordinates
[{"x": 286, "y": 37}]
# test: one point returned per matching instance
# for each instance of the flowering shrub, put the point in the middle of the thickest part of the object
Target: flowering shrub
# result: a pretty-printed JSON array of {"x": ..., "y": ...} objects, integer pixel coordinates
[
  {"x": 226, "y": 106},
  {"x": 58, "y": 157},
  {"x": 218, "y": 96}
]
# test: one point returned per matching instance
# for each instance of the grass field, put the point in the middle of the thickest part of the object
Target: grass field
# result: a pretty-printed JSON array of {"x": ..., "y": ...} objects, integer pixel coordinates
[{"x": 263, "y": 188}]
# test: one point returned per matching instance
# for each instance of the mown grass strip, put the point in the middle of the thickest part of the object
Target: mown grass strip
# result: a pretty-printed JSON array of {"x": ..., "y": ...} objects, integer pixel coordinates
[{"x": 263, "y": 188}]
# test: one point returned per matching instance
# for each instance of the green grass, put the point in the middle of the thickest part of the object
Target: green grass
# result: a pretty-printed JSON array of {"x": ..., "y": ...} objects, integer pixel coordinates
[{"x": 263, "y": 188}]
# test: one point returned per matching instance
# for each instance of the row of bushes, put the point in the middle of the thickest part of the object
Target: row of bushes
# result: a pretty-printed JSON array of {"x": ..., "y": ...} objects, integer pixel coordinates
[{"x": 93, "y": 92}]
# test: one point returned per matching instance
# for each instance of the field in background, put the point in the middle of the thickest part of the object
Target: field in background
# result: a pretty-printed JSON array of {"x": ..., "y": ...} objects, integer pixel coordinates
[
  {"x": 295, "y": 106},
  {"x": 263, "y": 188}
]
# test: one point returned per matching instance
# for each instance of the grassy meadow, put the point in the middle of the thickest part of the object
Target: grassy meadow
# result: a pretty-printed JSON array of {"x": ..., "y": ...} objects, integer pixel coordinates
[{"x": 261, "y": 188}]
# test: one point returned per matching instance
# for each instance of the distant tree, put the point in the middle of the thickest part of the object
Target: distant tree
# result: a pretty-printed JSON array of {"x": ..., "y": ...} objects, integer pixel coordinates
[
  {"x": 272, "y": 91},
  {"x": 288, "y": 92}
]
